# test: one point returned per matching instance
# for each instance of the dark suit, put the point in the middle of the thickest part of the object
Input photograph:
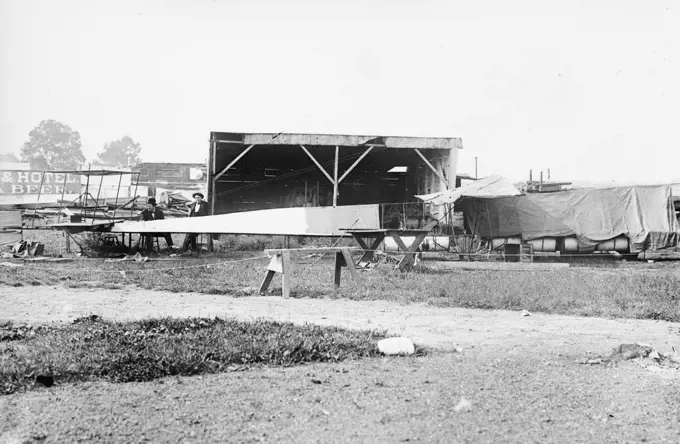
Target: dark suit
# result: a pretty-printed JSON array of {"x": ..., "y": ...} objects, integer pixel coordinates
[
  {"x": 156, "y": 214},
  {"x": 190, "y": 239},
  {"x": 202, "y": 210}
]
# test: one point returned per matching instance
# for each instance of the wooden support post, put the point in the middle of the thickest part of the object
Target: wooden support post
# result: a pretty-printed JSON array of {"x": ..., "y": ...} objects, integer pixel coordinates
[
  {"x": 281, "y": 263},
  {"x": 287, "y": 273},
  {"x": 316, "y": 162},
  {"x": 267, "y": 280},
  {"x": 349, "y": 170},
  {"x": 339, "y": 263},
  {"x": 335, "y": 177},
  {"x": 349, "y": 263},
  {"x": 427, "y": 162},
  {"x": 233, "y": 162},
  {"x": 67, "y": 242},
  {"x": 409, "y": 252},
  {"x": 35, "y": 211}
]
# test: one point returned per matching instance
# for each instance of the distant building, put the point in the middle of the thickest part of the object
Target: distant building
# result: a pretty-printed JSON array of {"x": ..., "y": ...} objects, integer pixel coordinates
[{"x": 160, "y": 178}]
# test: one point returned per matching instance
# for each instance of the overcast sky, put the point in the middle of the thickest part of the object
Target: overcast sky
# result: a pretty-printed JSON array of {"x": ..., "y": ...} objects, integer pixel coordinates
[{"x": 589, "y": 89}]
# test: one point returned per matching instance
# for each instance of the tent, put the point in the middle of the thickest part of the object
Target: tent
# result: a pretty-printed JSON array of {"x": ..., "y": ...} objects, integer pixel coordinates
[
  {"x": 644, "y": 214},
  {"x": 488, "y": 187}
]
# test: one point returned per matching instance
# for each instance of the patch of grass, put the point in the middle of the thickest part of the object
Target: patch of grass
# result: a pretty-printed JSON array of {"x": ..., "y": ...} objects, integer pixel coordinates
[
  {"x": 630, "y": 290},
  {"x": 92, "y": 348}
]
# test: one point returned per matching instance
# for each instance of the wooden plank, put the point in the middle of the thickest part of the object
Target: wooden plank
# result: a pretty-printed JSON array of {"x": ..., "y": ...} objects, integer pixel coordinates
[
  {"x": 369, "y": 251},
  {"x": 232, "y": 163},
  {"x": 328, "y": 176},
  {"x": 339, "y": 263},
  {"x": 350, "y": 265},
  {"x": 335, "y": 177},
  {"x": 512, "y": 266},
  {"x": 409, "y": 258},
  {"x": 276, "y": 264},
  {"x": 266, "y": 281},
  {"x": 427, "y": 162},
  {"x": 287, "y": 274},
  {"x": 659, "y": 255},
  {"x": 308, "y": 250},
  {"x": 349, "y": 170},
  {"x": 10, "y": 219},
  {"x": 329, "y": 140}
]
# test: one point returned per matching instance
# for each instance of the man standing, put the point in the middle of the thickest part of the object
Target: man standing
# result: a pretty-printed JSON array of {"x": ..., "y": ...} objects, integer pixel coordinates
[
  {"x": 152, "y": 212},
  {"x": 197, "y": 208}
]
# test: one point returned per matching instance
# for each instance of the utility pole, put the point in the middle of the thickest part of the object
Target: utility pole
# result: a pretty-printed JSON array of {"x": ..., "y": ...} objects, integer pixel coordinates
[{"x": 475, "y": 167}]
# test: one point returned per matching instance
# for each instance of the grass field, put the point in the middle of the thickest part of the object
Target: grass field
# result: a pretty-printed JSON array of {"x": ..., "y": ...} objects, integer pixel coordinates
[
  {"x": 631, "y": 291},
  {"x": 91, "y": 348}
]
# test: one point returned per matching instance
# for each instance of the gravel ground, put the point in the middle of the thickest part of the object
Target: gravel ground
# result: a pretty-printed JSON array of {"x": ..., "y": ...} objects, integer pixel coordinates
[{"x": 519, "y": 374}]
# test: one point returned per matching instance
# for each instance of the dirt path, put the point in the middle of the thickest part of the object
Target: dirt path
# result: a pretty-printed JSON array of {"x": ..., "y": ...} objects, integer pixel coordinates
[
  {"x": 432, "y": 326},
  {"x": 518, "y": 373}
]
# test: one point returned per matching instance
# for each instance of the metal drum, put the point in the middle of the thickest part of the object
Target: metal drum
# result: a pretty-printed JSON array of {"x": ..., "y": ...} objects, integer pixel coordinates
[
  {"x": 570, "y": 246},
  {"x": 544, "y": 244},
  {"x": 498, "y": 242},
  {"x": 619, "y": 244}
]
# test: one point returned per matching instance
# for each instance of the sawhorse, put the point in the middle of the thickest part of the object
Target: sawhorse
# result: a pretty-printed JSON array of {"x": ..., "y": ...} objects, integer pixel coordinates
[
  {"x": 378, "y": 236},
  {"x": 281, "y": 263}
]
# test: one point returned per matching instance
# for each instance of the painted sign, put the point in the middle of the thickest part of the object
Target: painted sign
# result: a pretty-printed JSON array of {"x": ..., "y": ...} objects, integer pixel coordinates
[{"x": 30, "y": 182}]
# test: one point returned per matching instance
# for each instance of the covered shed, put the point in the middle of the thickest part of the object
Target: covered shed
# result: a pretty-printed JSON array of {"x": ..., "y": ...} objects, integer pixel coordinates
[{"x": 255, "y": 171}]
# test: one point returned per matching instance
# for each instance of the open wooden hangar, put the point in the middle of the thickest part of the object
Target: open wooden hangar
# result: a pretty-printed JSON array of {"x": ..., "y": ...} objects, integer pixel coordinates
[{"x": 263, "y": 171}]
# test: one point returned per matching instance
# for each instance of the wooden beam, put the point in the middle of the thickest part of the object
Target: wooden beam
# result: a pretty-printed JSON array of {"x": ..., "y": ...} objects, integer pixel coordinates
[
  {"x": 232, "y": 163},
  {"x": 349, "y": 170},
  {"x": 211, "y": 181},
  {"x": 310, "y": 250},
  {"x": 335, "y": 176},
  {"x": 317, "y": 163},
  {"x": 286, "y": 274},
  {"x": 427, "y": 162}
]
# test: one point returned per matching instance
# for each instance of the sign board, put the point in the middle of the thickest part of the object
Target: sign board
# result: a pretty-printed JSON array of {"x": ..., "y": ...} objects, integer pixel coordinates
[{"x": 17, "y": 183}]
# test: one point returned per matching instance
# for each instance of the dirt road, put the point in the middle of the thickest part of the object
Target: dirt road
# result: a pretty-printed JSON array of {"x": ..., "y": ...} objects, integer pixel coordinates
[
  {"x": 519, "y": 373},
  {"x": 436, "y": 327}
]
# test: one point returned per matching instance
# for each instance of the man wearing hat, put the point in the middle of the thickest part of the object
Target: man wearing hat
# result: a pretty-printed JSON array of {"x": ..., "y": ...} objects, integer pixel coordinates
[
  {"x": 152, "y": 212},
  {"x": 197, "y": 208}
]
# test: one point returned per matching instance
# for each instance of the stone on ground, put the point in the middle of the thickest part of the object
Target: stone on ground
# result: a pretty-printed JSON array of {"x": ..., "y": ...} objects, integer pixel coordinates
[{"x": 396, "y": 346}]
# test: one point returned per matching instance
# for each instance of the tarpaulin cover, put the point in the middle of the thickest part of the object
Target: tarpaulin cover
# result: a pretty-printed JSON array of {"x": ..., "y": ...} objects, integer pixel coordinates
[
  {"x": 642, "y": 213},
  {"x": 491, "y": 186}
]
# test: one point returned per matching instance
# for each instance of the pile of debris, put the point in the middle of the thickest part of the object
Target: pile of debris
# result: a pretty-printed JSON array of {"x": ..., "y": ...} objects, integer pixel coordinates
[
  {"x": 640, "y": 352},
  {"x": 25, "y": 248}
]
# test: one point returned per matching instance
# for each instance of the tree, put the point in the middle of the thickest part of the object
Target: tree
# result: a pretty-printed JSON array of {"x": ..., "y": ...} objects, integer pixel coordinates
[
  {"x": 53, "y": 146},
  {"x": 118, "y": 153},
  {"x": 8, "y": 157}
]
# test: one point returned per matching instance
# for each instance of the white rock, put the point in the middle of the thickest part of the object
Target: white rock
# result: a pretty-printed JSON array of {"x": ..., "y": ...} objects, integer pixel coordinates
[
  {"x": 525, "y": 313},
  {"x": 674, "y": 358},
  {"x": 463, "y": 405},
  {"x": 396, "y": 346},
  {"x": 654, "y": 355}
]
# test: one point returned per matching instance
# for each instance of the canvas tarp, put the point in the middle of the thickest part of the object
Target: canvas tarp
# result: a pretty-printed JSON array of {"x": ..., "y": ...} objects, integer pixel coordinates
[
  {"x": 491, "y": 186},
  {"x": 642, "y": 213}
]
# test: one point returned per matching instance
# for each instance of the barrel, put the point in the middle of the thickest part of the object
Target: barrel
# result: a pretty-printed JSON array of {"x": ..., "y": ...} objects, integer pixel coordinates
[
  {"x": 570, "y": 246},
  {"x": 544, "y": 244},
  {"x": 498, "y": 242},
  {"x": 619, "y": 244},
  {"x": 457, "y": 220}
]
